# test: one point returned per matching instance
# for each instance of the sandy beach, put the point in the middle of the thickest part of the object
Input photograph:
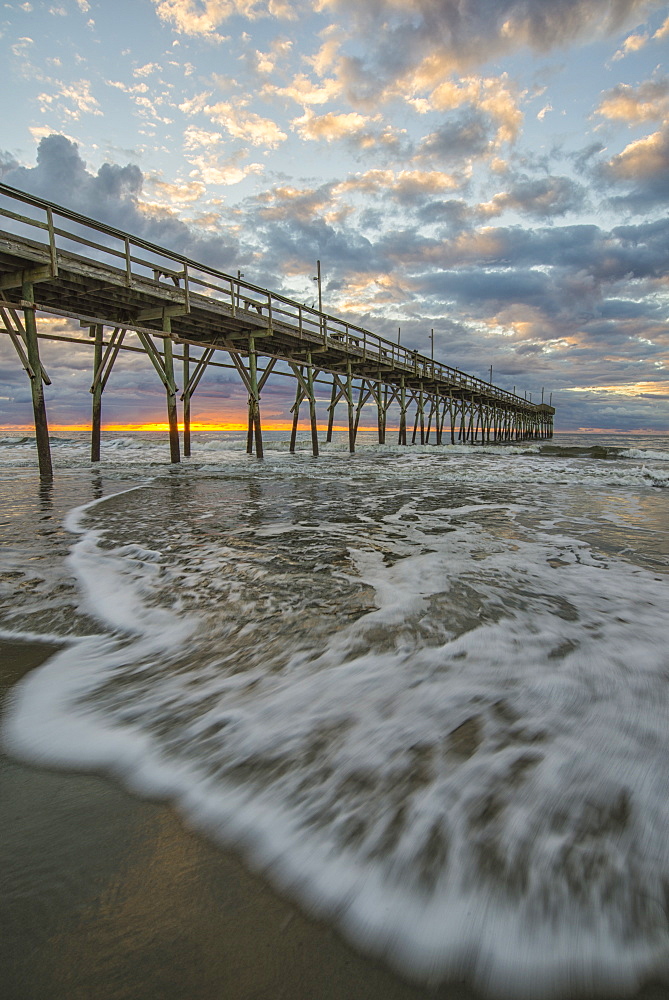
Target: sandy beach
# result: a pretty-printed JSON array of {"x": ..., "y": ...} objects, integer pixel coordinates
[{"x": 111, "y": 897}]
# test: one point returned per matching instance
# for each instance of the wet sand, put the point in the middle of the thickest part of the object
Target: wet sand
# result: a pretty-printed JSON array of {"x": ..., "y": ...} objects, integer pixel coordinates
[{"x": 109, "y": 897}]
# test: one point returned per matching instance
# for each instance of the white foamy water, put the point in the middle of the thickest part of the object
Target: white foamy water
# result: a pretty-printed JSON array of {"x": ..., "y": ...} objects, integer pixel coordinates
[{"x": 426, "y": 690}]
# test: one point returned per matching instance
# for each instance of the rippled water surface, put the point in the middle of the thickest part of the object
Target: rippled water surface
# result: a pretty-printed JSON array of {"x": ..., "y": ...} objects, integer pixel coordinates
[{"x": 426, "y": 690}]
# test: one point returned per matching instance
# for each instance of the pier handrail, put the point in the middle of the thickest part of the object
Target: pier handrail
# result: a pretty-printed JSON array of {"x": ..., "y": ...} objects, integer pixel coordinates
[{"x": 210, "y": 282}]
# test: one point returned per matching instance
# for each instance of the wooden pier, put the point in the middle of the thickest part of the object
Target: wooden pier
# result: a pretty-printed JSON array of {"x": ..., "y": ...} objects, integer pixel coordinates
[{"x": 175, "y": 309}]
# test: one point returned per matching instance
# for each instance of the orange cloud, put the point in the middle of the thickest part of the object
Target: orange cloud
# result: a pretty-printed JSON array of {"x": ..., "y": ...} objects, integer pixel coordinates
[
  {"x": 330, "y": 126},
  {"x": 646, "y": 157},
  {"x": 647, "y": 102}
]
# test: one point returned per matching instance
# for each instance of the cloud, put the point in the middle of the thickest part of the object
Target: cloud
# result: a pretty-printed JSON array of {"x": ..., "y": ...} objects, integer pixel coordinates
[
  {"x": 465, "y": 136},
  {"x": 147, "y": 69},
  {"x": 304, "y": 91},
  {"x": 541, "y": 198},
  {"x": 21, "y": 47},
  {"x": 189, "y": 18},
  {"x": 203, "y": 17},
  {"x": 644, "y": 166},
  {"x": 407, "y": 187},
  {"x": 429, "y": 40},
  {"x": 71, "y": 100},
  {"x": 662, "y": 32},
  {"x": 212, "y": 169},
  {"x": 199, "y": 138},
  {"x": 494, "y": 97},
  {"x": 113, "y": 195},
  {"x": 330, "y": 126},
  {"x": 582, "y": 157},
  {"x": 126, "y": 88},
  {"x": 647, "y": 102},
  {"x": 245, "y": 125},
  {"x": 633, "y": 43},
  {"x": 195, "y": 104},
  {"x": 262, "y": 64}
]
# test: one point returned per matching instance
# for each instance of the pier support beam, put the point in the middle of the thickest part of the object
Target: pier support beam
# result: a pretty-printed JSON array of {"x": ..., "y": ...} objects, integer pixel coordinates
[
  {"x": 96, "y": 417},
  {"x": 402, "y": 436},
  {"x": 191, "y": 382},
  {"x": 186, "y": 399},
  {"x": 255, "y": 427},
  {"x": 349, "y": 408},
  {"x": 305, "y": 389},
  {"x": 103, "y": 364},
  {"x": 299, "y": 396},
  {"x": 164, "y": 365},
  {"x": 171, "y": 389},
  {"x": 336, "y": 394},
  {"x": 312, "y": 407},
  {"x": 36, "y": 386},
  {"x": 420, "y": 416}
]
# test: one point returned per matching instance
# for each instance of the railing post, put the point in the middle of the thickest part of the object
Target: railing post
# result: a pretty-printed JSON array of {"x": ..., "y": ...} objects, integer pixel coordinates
[
  {"x": 128, "y": 262},
  {"x": 53, "y": 253},
  {"x": 186, "y": 289}
]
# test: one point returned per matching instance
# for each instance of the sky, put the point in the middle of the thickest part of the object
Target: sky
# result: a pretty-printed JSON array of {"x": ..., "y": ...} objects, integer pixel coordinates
[{"x": 495, "y": 170}]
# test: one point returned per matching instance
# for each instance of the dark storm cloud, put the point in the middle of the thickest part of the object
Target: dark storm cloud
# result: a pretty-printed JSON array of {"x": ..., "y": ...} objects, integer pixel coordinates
[{"x": 112, "y": 195}]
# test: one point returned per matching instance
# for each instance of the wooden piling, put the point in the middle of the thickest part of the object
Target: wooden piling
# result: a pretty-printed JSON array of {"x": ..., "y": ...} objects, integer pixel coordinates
[
  {"x": 171, "y": 391},
  {"x": 422, "y": 416},
  {"x": 254, "y": 399},
  {"x": 96, "y": 418},
  {"x": 349, "y": 407},
  {"x": 312, "y": 407},
  {"x": 296, "y": 417},
  {"x": 36, "y": 386},
  {"x": 186, "y": 399},
  {"x": 331, "y": 410},
  {"x": 402, "y": 436}
]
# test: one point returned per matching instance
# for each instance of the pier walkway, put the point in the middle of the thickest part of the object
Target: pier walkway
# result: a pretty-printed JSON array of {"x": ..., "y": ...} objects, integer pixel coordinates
[{"x": 61, "y": 263}]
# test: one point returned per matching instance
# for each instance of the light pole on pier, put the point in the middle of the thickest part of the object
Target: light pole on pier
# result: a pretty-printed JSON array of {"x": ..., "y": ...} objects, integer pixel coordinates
[
  {"x": 317, "y": 278},
  {"x": 490, "y": 374},
  {"x": 432, "y": 343}
]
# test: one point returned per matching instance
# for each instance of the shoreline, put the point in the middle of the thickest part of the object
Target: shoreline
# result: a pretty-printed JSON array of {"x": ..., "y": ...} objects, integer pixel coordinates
[{"x": 112, "y": 897}]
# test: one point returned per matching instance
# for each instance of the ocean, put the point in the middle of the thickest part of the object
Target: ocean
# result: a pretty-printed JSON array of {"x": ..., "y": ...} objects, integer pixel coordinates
[{"x": 424, "y": 691}]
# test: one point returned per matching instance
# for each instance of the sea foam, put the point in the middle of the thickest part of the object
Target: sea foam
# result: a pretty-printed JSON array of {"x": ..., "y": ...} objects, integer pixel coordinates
[{"x": 436, "y": 718}]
